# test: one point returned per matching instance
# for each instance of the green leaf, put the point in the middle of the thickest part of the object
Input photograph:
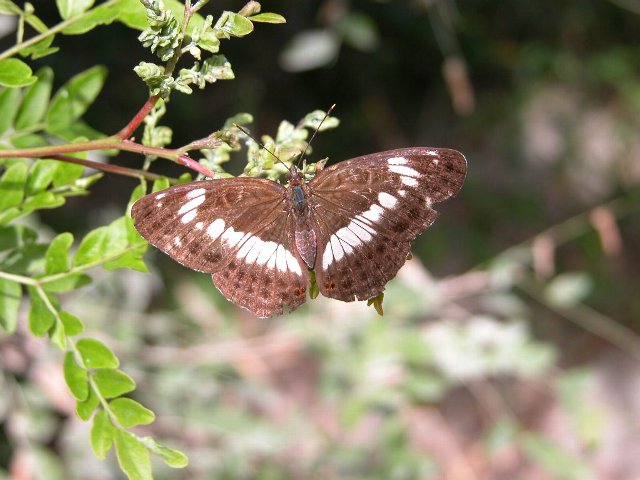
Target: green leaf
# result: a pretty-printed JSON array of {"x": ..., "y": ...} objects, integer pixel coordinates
[
  {"x": 67, "y": 173},
  {"x": 35, "y": 100},
  {"x": 160, "y": 184},
  {"x": 101, "y": 15},
  {"x": 15, "y": 237},
  {"x": 28, "y": 140},
  {"x": 132, "y": 456},
  {"x": 12, "y": 185},
  {"x": 91, "y": 248},
  {"x": 28, "y": 259},
  {"x": 551, "y": 457},
  {"x": 15, "y": 73},
  {"x": 43, "y": 200},
  {"x": 130, "y": 413},
  {"x": 41, "y": 175},
  {"x": 41, "y": 319},
  {"x": 58, "y": 336},
  {"x": 73, "y": 99},
  {"x": 40, "y": 49},
  {"x": 56, "y": 259},
  {"x": 267, "y": 17},
  {"x": 136, "y": 195},
  {"x": 113, "y": 383},
  {"x": 234, "y": 25},
  {"x": 96, "y": 354},
  {"x": 9, "y": 103},
  {"x": 72, "y": 281},
  {"x": 72, "y": 324},
  {"x": 171, "y": 457},
  {"x": 10, "y": 296},
  {"x": 102, "y": 433},
  {"x": 77, "y": 378},
  {"x": 72, "y": 8},
  {"x": 86, "y": 408},
  {"x": 133, "y": 15},
  {"x": 7, "y": 7},
  {"x": 132, "y": 260}
]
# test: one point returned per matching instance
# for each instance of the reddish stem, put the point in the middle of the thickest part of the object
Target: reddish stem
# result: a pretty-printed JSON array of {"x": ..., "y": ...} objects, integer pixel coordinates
[
  {"x": 193, "y": 165},
  {"x": 135, "y": 122},
  {"x": 107, "y": 144},
  {"x": 109, "y": 168}
]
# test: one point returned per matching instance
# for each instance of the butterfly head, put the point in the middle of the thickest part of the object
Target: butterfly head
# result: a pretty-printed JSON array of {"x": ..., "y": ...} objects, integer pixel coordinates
[{"x": 296, "y": 178}]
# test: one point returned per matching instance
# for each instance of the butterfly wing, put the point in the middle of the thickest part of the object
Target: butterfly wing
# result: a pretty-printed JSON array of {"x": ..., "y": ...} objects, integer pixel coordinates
[
  {"x": 369, "y": 209},
  {"x": 239, "y": 230}
]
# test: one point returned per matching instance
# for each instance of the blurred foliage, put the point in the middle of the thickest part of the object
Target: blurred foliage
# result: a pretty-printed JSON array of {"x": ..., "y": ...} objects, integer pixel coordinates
[{"x": 513, "y": 356}]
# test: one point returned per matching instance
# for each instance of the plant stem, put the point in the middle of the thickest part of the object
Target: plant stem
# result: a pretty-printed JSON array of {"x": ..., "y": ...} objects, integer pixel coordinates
[
  {"x": 109, "y": 168},
  {"x": 18, "y": 278},
  {"x": 135, "y": 122},
  {"x": 589, "y": 319},
  {"x": 113, "y": 142}
]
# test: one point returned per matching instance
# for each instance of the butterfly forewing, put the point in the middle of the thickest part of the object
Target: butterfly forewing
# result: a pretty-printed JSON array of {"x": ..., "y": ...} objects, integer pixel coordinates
[
  {"x": 369, "y": 209},
  {"x": 236, "y": 229}
]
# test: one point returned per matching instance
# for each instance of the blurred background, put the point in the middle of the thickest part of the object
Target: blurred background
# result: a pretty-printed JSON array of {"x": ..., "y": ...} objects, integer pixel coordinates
[{"x": 509, "y": 347}]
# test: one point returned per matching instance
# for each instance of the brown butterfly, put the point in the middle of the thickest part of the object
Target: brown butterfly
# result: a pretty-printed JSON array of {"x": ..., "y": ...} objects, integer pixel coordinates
[{"x": 353, "y": 224}]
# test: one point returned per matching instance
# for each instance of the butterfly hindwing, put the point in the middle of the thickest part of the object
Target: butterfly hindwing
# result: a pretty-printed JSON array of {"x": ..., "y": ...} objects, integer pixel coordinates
[
  {"x": 369, "y": 209},
  {"x": 237, "y": 230}
]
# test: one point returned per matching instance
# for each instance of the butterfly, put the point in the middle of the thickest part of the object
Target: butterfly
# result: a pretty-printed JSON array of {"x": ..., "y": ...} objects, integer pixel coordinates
[{"x": 352, "y": 224}]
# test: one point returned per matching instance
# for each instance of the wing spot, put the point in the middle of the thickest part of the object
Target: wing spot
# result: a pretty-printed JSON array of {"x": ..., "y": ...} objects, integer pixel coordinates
[
  {"x": 397, "y": 161},
  {"x": 374, "y": 213},
  {"x": 160, "y": 196},
  {"x": 338, "y": 252},
  {"x": 247, "y": 246},
  {"x": 409, "y": 181},
  {"x": 191, "y": 204},
  {"x": 361, "y": 230},
  {"x": 199, "y": 225},
  {"x": 231, "y": 237},
  {"x": 196, "y": 193},
  {"x": 387, "y": 200},
  {"x": 281, "y": 258},
  {"x": 402, "y": 170},
  {"x": 267, "y": 249},
  {"x": 177, "y": 242},
  {"x": 188, "y": 217},
  {"x": 215, "y": 229}
]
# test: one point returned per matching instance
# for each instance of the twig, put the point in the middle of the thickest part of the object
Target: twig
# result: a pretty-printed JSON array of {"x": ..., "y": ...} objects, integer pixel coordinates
[
  {"x": 592, "y": 320},
  {"x": 109, "y": 168}
]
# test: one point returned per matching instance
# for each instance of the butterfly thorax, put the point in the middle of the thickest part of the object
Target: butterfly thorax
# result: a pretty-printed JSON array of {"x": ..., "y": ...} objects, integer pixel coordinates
[{"x": 305, "y": 238}]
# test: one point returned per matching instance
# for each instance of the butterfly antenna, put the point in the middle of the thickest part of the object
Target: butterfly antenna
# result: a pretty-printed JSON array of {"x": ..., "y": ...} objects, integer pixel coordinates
[
  {"x": 260, "y": 144},
  {"x": 326, "y": 115}
]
